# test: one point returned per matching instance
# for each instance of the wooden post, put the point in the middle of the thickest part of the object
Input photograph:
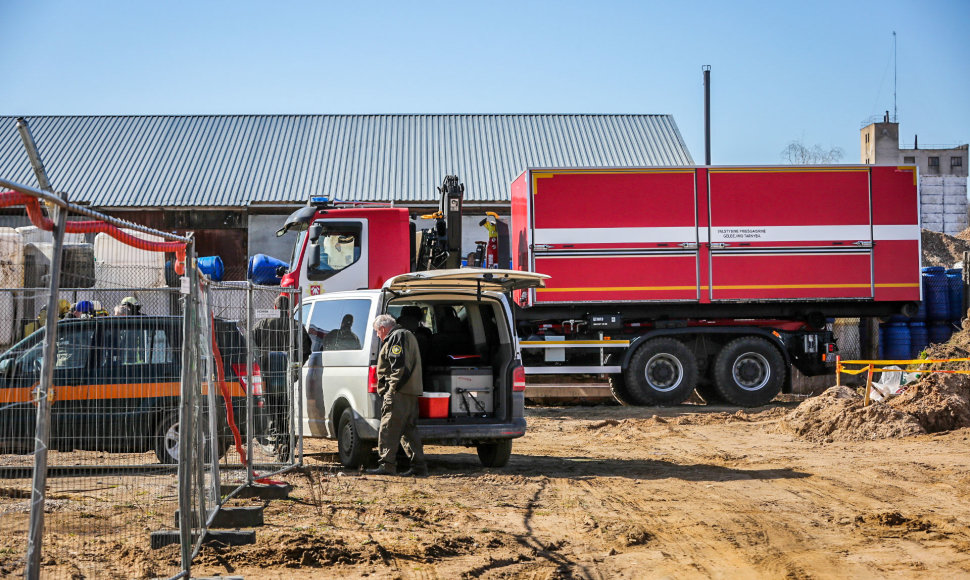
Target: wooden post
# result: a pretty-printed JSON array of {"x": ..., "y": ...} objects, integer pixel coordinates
[
  {"x": 838, "y": 370},
  {"x": 868, "y": 385}
]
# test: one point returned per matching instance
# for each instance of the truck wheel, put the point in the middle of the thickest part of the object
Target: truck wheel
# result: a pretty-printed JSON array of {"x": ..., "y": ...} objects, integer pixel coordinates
[
  {"x": 749, "y": 371},
  {"x": 620, "y": 393},
  {"x": 495, "y": 454},
  {"x": 351, "y": 449},
  {"x": 661, "y": 372}
]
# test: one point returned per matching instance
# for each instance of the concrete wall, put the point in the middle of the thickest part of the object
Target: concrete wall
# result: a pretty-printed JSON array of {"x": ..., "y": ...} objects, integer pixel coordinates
[
  {"x": 943, "y": 202},
  {"x": 921, "y": 157},
  {"x": 880, "y": 144}
]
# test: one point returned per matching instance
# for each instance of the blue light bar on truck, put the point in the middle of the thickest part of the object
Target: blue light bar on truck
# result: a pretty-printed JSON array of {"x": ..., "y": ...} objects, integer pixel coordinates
[{"x": 320, "y": 200}]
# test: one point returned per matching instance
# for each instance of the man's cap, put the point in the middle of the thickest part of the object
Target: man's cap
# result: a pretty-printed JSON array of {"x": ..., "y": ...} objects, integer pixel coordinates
[
  {"x": 130, "y": 300},
  {"x": 84, "y": 307}
]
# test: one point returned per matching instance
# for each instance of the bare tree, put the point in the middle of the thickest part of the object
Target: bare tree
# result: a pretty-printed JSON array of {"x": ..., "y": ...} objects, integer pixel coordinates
[{"x": 797, "y": 153}]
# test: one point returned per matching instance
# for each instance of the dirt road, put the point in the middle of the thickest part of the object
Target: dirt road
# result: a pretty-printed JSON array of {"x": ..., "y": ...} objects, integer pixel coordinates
[{"x": 611, "y": 492}]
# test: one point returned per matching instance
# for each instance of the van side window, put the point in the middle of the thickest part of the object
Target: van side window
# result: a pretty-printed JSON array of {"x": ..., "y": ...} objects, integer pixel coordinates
[
  {"x": 339, "y": 246},
  {"x": 73, "y": 350},
  {"x": 339, "y": 324}
]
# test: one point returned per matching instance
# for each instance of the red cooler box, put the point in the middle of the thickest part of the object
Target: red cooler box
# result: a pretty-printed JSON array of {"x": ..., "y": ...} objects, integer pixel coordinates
[{"x": 433, "y": 405}]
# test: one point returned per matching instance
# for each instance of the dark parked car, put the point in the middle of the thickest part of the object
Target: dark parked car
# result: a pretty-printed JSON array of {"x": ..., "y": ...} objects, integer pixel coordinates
[{"x": 116, "y": 385}]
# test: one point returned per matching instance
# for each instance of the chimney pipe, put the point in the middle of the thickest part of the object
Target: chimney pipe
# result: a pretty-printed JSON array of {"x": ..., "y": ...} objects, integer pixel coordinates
[{"x": 707, "y": 113}]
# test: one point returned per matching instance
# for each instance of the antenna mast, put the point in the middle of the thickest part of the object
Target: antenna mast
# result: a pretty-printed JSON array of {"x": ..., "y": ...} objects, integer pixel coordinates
[{"x": 895, "y": 118}]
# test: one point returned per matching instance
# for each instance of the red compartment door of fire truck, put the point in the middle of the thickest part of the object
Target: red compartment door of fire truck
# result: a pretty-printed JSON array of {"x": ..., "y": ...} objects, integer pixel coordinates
[
  {"x": 790, "y": 234},
  {"x": 614, "y": 235}
]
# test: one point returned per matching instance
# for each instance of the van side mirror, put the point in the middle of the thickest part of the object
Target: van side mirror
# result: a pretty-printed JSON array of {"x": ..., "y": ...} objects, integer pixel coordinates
[
  {"x": 6, "y": 368},
  {"x": 313, "y": 260},
  {"x": 316, "y": 230},
  {"x": 281, "y": 271}
]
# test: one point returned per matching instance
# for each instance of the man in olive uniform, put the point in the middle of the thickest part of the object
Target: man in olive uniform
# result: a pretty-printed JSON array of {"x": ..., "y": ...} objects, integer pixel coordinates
[{"x": 399, "y": 383}]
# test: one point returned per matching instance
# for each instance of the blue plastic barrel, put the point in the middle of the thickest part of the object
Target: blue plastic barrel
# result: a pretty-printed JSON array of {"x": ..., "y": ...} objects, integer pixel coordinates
[
  {"x": 898, "y": 341},
  {"x": 939, "y": 332},
  {"x": 262, "y": 270},
  {"x": 212, "y": 267},
  {"x": 919, "y": 338},
  {"x": 954, "y": 285},
  {"x": 936, "y": 294},
  {"x": 920, "y": 312}
]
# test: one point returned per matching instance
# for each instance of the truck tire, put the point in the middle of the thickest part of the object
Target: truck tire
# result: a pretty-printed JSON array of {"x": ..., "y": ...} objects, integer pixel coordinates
[
  {"x": 495, "y": 453},
  {"x": 749, "y": 371},
  {"x": 351, "y": 449},
  {"x": 662, "y": 371},
  {"x": 620, "y": 393}
]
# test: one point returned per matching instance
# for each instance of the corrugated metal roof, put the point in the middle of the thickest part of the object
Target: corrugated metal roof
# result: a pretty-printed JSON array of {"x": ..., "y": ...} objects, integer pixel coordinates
[{"x": 236, "y": 160}]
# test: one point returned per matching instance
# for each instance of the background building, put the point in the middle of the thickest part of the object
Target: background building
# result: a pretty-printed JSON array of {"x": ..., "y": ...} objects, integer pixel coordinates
[
  {"x": 232, "y": 179},
  {"x": 942, "y": 171}
]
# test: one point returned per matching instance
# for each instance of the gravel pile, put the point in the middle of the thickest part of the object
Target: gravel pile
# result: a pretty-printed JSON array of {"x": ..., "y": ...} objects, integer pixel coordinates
[{"x": 940, "y": 249}]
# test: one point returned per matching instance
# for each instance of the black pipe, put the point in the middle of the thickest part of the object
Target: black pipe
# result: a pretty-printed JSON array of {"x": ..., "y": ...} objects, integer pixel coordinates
[{"x": 707, "y": 113}]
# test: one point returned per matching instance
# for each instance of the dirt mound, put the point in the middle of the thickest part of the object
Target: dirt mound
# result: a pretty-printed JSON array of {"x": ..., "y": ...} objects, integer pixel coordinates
[
  {"x": 939, "y": 402},
  {"x": 838, "y": 414},
  {"x": 940, "y": 249}
]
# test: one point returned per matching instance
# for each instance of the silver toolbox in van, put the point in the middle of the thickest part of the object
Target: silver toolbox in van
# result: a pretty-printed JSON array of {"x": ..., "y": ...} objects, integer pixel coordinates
[{"x": 471, "y": 389}]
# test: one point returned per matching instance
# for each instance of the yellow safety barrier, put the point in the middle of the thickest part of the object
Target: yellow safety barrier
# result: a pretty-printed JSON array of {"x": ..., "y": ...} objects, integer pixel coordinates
[{"x": 870, "y": 366}]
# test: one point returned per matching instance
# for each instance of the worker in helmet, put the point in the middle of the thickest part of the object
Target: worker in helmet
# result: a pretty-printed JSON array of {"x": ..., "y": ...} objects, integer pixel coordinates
[
  {"x": 63, "y": 308},
  {"x": 37, "y": 324},
  {"x": 83, "y": 309},
  {"x": 130, "y": 306}
]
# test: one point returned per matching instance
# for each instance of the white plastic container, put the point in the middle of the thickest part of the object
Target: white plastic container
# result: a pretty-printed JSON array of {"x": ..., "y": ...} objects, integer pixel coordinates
[
  {"x": 11, "y": 259},
  {"x": 35, "y": 235},
  {"x": 118, "y": 265}
]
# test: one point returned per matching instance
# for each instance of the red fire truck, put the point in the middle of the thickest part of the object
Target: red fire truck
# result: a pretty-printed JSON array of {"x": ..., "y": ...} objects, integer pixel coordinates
[{"x": 666, "y": 280}]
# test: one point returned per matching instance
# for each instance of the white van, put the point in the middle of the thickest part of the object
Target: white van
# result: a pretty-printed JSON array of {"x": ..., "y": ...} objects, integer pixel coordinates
[{"x": 474, "y": 381}]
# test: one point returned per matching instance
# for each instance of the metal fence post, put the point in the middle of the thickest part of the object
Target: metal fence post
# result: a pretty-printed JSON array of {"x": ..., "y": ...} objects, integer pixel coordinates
[
  {"x": 250, "y": 354},
  {"x": 42, "y": 431},
  {"x": 297, "y": 421},
  {"x": 187, "y": 429}
]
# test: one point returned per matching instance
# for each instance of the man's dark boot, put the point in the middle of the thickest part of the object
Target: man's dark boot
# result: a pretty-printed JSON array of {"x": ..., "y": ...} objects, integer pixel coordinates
[
  {"x": 416, "y": 471},
  {"x": 382, "y": 469}
]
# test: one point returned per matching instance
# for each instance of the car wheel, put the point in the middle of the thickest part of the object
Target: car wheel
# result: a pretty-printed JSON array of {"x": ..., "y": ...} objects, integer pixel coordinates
[
  {"x": 496, "y": 453},
  {"x": 662, "y": 371},
  {"x": 351, "y": 449},
  {"x": 167, "y": 441},
  {"x": 749, "y": 371}
]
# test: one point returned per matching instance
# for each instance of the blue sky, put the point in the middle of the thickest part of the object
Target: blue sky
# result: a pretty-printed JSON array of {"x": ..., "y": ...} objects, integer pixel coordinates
[{"x": 781, "y": 71}]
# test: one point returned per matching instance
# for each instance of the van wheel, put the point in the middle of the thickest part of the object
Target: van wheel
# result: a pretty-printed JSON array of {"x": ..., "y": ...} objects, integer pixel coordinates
[
  {"x": 167, "y": 441},
  {"x": 495, "y": 454},
  {"x": 661, "y": 372},
  {"x": 749, "y": 371},
  {"x": 351, "y": 449}
]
